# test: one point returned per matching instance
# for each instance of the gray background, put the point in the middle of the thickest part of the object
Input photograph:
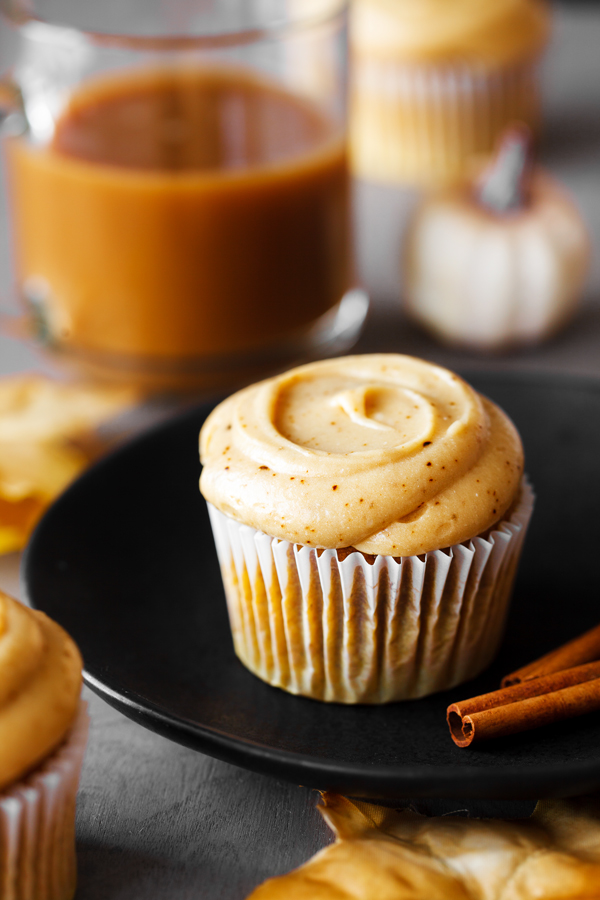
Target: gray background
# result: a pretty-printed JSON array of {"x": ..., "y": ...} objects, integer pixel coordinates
[{"x": 157, "y": 820}]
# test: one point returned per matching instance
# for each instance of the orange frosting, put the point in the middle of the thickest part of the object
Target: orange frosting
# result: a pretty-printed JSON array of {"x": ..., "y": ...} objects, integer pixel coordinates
[
  {"x": 40, "y": 685},
  {"x": 385, "y": 453}
]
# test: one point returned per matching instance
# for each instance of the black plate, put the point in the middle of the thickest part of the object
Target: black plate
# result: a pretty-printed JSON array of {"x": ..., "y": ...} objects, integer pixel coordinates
[{"x": 125, "y": 561}]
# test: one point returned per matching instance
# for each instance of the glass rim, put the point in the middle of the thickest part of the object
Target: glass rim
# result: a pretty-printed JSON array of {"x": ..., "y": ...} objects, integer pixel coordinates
[{"x": 20, "y": 15}]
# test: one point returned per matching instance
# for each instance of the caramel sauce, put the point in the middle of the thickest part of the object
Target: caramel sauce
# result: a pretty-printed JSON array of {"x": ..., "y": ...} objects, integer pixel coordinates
[{"x": 180, "y": 213}]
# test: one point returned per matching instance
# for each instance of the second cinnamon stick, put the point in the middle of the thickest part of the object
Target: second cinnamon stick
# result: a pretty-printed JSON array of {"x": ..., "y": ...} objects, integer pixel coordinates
[
  {"x": 530, "y": 704},
  {"x": 582, "y": 649}
]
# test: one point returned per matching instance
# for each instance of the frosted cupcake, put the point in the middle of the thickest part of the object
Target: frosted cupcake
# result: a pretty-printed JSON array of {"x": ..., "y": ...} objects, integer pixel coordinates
[
  {"x": 435, "y": 83},
  {"x": 368, "y": 514},
  {"x": 43, "y": 732}
]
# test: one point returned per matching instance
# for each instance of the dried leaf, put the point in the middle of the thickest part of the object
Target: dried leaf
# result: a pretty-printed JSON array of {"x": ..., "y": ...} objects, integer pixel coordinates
[
  {"x": 35, "y": 408},
  {"x": 383, "y": 854},
  {"x": 47, "y": 437},
  {"x": 17, "y": 521},
  {"x": 39, "y": 469}
]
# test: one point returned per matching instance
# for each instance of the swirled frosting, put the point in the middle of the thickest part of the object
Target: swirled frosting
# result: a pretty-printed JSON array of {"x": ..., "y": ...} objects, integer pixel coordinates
[
  {"x": 490, "y": 32},
  {"x": 40, "y": 684},
  {"x": 385, "y": 453}
]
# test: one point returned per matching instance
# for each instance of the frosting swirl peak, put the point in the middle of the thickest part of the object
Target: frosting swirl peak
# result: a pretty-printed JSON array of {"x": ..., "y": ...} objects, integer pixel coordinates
[{"x": 385, "y": 453}]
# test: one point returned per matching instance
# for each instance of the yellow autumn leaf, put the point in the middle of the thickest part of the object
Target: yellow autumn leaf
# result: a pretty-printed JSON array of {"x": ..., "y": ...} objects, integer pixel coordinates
[
  {"x": 47, "y": 437},
  {"x": 37, "y": 468},
  {"x": 36, "y": 408},
  {"x": 385, "y": 854}
]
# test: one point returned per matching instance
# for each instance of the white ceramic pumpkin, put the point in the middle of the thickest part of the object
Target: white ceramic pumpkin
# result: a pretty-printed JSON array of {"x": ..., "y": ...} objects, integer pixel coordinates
[{"x": 500, "y": 263}]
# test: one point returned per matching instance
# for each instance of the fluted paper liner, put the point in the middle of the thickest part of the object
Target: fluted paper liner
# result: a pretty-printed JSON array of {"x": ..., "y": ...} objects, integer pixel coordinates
[
  {"x": 37, "y": 824},
  {"x": 352, "y": 631},
  {"x": 426, "y": 124}
]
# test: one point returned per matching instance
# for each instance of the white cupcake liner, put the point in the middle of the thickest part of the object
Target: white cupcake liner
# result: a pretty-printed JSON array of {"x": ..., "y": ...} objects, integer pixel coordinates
[
  {"x": 427, "y": 124},
  {"x": 352, "y": 631},
  {"x": 37, "y": 824}
]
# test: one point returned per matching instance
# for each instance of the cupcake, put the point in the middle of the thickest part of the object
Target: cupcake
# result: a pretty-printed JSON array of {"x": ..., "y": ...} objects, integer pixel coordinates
[
  {"x": 43, "y": 732},
  {"x": 435, "y": 83},
  {"x": 368, "y": 514}
]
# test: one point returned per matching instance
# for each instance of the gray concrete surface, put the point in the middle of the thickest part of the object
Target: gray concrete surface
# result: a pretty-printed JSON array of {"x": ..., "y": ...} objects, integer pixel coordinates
[{"x": 159, "y": 821}]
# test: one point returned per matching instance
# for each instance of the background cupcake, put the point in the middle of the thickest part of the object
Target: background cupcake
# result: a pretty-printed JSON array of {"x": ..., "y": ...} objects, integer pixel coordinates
[
  {"x": 435, "y": 82},
  {"x": 368, "y": 514},
  {"x": 43, "y": 732}
]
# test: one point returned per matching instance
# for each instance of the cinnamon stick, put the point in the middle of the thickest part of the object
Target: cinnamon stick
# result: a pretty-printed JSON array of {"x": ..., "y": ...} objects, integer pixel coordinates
[
  {"x": 582, "y": 649},
  {"x": 530, "y": 704}
]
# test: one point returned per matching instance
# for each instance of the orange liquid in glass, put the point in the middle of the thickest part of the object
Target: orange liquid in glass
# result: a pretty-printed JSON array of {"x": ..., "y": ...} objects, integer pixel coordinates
[{"x": 183, "y": 213}]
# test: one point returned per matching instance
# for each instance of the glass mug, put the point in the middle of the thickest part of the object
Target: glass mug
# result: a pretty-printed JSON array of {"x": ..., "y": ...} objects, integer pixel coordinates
[{"x": 179, "y": 188}]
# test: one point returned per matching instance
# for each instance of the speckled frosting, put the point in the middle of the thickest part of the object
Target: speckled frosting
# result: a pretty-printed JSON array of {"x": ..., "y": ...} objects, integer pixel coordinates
[
  {"x": 384, "y": 453},
  {"x": 40, "y": 686}
]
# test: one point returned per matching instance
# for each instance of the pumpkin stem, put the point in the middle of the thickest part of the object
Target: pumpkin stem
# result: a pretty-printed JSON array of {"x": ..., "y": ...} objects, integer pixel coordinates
[{"x": 503, "y": 187}]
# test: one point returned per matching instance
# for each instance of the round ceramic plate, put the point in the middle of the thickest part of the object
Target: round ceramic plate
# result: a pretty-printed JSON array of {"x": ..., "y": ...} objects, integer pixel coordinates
[{"x": 125, "y": 561}]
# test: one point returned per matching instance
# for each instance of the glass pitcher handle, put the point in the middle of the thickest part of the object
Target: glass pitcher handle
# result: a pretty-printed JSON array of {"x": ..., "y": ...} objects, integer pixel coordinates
[
  {"x": 12, "y": 120},
  {"x": 11, "y": 99}
]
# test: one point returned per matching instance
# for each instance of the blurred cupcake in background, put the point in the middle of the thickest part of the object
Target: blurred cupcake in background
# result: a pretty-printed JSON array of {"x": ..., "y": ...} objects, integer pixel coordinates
[{"x": 435, "y": 82}]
